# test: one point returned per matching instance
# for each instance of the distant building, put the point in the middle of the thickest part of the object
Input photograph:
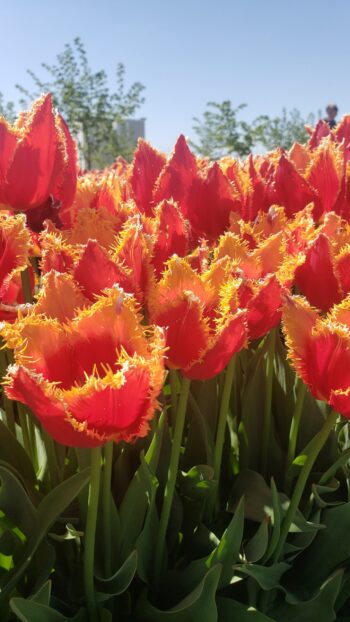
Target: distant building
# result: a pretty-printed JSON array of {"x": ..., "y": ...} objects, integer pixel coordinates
[
  {"x": 130, "y": 129},
  {"x": 135, "y": 128}
]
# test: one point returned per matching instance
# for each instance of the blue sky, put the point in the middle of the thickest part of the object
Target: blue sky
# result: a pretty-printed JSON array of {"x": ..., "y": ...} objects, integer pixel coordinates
[{"x": 266, "y": 53}]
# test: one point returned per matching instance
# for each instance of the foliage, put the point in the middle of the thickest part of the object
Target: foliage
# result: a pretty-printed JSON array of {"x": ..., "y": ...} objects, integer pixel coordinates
[
  {"x": 282, "y": 131},
  {"x": 221, "y": 133},
  {"x": 7, "y": 108},
  {"x": 95, "y": 114}
]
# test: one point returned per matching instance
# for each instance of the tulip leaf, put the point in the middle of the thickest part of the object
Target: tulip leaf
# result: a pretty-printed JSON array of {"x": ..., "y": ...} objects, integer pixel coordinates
[
  {"x": 147, "y": 540},
  {"x": 320, "y": 608},
  {"x": 134, "y": 508},
  {"x": 198, "y": 482},
  {"x": 138, "y": 496},
  {"x": 119, "y": 581},
  {"x": 226, "y": 553},
  {"x": 229, "y": 609},
  {"x": 28, "y": 610},
  {"x": 45, "y": 515},
  {"x": 12, "y": 453},
  {"x": 268, "y": 577},
  {"x": 43, "y": 595},
  {"x": 14, "y": 501},
  {"x": 329, "y": 550},
  {"x": 198, "y": 605},
  {"x": 255, "y": 549},
  {"x": 257, "y": 495}
]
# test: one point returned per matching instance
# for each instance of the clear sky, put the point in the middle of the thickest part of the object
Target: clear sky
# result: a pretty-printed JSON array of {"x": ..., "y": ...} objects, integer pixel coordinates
[{"x": 270, "y": 54}]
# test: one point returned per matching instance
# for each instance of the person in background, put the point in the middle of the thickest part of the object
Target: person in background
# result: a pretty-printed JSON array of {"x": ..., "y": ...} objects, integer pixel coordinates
[{"x": 332, "y": 111}]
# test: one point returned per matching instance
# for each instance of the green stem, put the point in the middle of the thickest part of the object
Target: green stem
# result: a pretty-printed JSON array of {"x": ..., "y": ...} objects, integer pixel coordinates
[
  {"x": 268, "y": 402},
  {"x": 51, "y": 458},
  {"x": 172, "y": 474},
  {"x": 8, "y": 404},
  {"x": 90, "y": 534},
  {"x": 221, "y": 427},
  {"x": 26, "y": 286},
  {"x": 314, "y": 449},
  {"x": 107, "y": 497},
  {"x": 22, "y": 416},
  {"x": 173, "y": 393},
  {"x": 294, "y": 428}
]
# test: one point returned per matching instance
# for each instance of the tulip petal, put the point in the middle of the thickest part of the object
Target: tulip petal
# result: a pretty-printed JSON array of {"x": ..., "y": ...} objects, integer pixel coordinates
[
  {"x": 145, "y": 169},
  {"x": 318, "y": 261},
  {"x": 29, "y": 389},
  {"x": 227, "y": 342}
]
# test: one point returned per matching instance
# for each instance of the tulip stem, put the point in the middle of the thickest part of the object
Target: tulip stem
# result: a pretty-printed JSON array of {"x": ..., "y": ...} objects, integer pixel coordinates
[
  {"x": 90, "y": 534},
  {"x": 107, "y": 496},
  {"x": 23, "y": 421},
  {"x": 294, "y": 428},
  {"x": 222, "y": 419},
  {"x": 314, "y": 449},
  {"x": 171, "y": 479},
  {"x": 268, "y": 401},
  {"x": 26, "y": 286},
  {"x": 173, "y": 393}
]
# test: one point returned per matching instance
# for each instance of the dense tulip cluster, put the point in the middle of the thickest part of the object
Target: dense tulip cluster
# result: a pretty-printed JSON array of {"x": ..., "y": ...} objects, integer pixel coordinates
[
  {"x": 205, "y": 251},
  {"x": 114, "y": 281}
]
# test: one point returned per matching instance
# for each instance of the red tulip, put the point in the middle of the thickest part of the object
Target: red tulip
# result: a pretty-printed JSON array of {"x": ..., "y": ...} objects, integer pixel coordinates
[{"x": 37, "y": 164}]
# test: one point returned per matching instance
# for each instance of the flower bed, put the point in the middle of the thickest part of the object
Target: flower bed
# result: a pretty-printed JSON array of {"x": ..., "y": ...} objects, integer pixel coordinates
[{"x": 176, "y": 368}]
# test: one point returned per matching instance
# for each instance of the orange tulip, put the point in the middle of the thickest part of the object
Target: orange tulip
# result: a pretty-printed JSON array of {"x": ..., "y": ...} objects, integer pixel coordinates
[
  {"x": 91, "y": 379},
  {"x": 202, "y": 334},
  {"x": 319, "y": 350}
]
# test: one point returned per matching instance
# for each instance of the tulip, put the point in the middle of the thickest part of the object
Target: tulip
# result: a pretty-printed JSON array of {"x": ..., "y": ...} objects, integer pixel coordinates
[
  {"x": 92, "y": 379},
  {"x": 202, "y": 335},
  {"x": 37, "y": 164},
  {"x": 319, "y": 350}
]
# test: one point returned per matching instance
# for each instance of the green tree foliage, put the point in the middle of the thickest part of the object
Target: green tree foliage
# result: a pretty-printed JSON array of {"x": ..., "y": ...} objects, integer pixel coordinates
[
  {"x": 282, "y": 131},
  {"x": 221, "y": 133},
  {"x": 96, "y": 115},
  {"x": 7, "y": 108}
]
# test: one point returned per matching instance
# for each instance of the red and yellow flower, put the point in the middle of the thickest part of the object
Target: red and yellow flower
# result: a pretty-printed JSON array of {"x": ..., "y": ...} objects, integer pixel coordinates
[
  {"x": 91, "y": 379},
  {"x": 319, "y": 350}
]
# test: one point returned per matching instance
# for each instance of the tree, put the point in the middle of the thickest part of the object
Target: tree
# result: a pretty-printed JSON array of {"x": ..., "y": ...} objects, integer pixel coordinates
[
  {"x": 282, "y": 131},
  {"x": 95, "y": 115},
  {"x": 7, "y": 109},
  {"x": 221, "y": 133}
]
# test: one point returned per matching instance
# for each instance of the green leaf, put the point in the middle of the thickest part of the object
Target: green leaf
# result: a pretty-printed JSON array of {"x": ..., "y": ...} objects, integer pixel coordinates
[
  {"x": 14, "y": 501},
  {"x": 231, "y": 610},
  {"x": 147, "y": 540},
  {"x": 320, "y": 608},
  {"x": 134, "y": 507},
  {"x": 226, "y": 553},
  {"x": 198, "y": 482},
  {"x": 255, "y": 549},
  {"x": 43, "y": 595},
  {"x": 198, "y": 605},
  {"x": 119, "y": 581},
  {"x": 47, "y": 512},
  {"x": 12, "y": 452},
  {"x": 257, "y": 495},
  {"x": 329, "y": 550},
  {"x": 28, "y": 611},
  {"x": 276, "y": 518},
  {"x": 300, "y": 460},
  {"x": 268, "y": 577}
]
